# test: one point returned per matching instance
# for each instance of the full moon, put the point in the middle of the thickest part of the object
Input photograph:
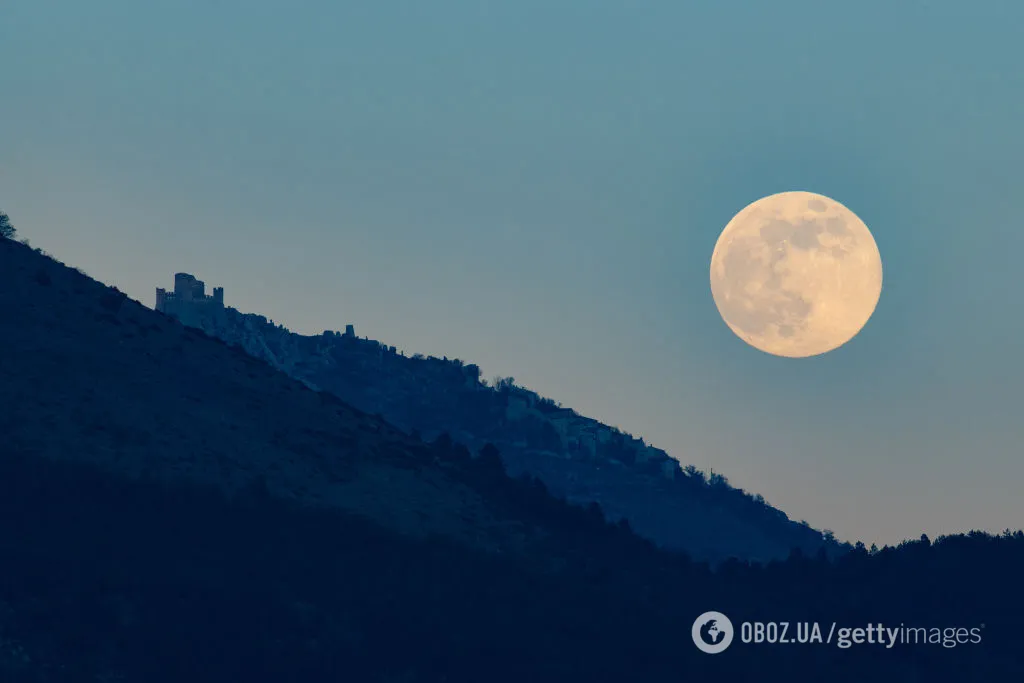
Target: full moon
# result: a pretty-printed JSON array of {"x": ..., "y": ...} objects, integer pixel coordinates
[{"x": 796, "y": 274}]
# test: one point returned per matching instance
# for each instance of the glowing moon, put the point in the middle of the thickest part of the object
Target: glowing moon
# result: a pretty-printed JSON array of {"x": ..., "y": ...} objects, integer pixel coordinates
[{"x": 796, "y": 274}]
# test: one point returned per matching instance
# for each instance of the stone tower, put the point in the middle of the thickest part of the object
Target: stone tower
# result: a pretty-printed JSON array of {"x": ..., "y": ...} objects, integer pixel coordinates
[{"x": 189, "y": 302}]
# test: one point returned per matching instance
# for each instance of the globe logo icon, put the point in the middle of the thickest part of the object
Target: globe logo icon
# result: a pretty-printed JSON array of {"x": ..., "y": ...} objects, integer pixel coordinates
[{"x": 712, "y": 632}]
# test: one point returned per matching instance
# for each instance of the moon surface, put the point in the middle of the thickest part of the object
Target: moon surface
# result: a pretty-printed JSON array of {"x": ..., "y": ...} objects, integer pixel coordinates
[{"x": 796, "y": 274}]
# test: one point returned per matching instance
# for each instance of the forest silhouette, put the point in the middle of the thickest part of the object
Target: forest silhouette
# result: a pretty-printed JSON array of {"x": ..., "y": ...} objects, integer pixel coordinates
[{"x": 105, "y": 575}]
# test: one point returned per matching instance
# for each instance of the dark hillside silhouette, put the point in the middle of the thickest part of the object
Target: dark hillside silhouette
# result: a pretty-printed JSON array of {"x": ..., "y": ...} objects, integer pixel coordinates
[
  {"x": 106, "y": 578},
  {"x": 172, "y": 509},
  {"x": 92, "y": 376}
]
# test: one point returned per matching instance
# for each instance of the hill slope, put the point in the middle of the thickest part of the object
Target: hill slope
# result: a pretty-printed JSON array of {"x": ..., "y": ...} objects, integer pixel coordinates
[
  {"x": 92, "y": 376},
  {"x": 575, "y": 456},
  {"x": 172, "y": 510}
]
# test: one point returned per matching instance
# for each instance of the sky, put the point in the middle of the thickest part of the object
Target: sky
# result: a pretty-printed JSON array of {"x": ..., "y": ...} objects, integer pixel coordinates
[{"x": 537, "y": 187}]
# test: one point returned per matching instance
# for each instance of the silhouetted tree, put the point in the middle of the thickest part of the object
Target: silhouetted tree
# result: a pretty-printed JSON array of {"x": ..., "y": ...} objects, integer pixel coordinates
[
  {"x": 6, "y": 229},
  {"x": 696, "y": 474},
  {"x": 718, "y": 480},
  {"x": 504, "y": 383}
]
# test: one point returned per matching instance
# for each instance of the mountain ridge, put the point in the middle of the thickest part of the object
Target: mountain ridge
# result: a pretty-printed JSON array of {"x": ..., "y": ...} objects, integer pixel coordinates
[
  {"x": 577, "y": 457},
  {"x": 261, "y": 429}
]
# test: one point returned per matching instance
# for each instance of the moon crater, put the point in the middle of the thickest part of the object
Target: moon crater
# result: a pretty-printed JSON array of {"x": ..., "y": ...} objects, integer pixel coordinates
[{"x": 796, "y": 274}]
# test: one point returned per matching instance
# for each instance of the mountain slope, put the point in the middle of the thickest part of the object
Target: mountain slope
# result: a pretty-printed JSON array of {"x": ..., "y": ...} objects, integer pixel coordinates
[
  {"x": 172, "y": 510},
  {"x": 576, "y": 457},
  {"x": 108, "y": 580},
  {"x": 89, "y": 375}
]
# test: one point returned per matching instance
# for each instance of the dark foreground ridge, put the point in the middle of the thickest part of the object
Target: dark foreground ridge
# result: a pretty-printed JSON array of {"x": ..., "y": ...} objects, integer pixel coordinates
[
  {"x": 173, "y": 510},
  {"x": 106, "y": 579},
  {"x": 576, "y": 457}
]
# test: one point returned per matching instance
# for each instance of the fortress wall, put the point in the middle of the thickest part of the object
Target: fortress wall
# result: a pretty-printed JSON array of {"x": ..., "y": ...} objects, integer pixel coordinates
[{"x": 189, "y": 302}]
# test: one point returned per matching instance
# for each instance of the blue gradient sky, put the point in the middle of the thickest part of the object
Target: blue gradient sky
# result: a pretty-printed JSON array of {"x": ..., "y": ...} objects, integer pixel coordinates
[{"x": 537, "y": 187}]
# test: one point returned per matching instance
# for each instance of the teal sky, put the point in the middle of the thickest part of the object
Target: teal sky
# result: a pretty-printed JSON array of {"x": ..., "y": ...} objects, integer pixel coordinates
[{"x": 537, "y": 187}]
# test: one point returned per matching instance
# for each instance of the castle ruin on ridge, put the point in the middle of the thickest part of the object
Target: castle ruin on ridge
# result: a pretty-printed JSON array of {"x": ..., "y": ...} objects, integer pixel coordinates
[{"x": 189, "y": 302}]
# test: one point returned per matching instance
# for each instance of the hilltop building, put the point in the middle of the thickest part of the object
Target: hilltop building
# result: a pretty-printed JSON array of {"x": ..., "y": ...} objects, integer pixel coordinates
[{"x": 189, "y": 302}]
